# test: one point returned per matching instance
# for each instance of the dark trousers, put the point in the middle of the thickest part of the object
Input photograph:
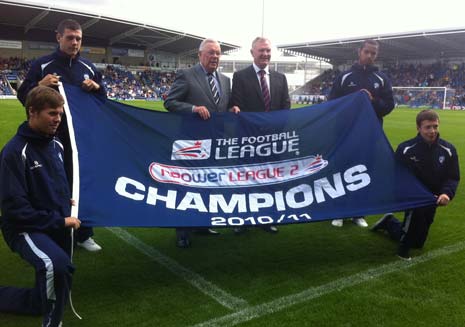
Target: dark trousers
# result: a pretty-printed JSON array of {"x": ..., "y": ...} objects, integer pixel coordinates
[
  {"x": 83, "y": 233},
  {"x": 413, "y": 231},
  {"x": 183, "y": 233},
  {"x": 53, "y": 272}
]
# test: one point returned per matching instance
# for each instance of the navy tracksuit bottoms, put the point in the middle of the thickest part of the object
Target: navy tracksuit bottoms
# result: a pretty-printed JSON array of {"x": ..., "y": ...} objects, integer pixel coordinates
[
  {"x": 53, "y": 272},
  {"x": 413, "y": 231}
]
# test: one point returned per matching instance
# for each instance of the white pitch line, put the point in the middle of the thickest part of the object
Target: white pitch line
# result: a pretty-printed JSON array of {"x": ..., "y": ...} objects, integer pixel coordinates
[
  {"x": 206, "y": 287},
  {"x": 260, "y": 310}
]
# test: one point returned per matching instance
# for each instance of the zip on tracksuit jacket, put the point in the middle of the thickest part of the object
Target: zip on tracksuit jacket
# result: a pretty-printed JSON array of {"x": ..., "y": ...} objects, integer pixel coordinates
[{"x": 71, "y": 71}]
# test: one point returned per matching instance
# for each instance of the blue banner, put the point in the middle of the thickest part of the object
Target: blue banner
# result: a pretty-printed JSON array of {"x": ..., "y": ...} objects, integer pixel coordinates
[{"x": 143, "y": 168}]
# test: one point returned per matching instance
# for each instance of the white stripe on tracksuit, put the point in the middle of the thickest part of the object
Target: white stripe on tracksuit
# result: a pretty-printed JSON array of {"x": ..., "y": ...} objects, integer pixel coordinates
[{"x": 49, "y": 275}]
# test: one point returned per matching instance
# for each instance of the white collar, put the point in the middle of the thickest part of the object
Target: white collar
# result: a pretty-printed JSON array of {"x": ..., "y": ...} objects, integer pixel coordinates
[
  {"x": 257, "y": 69},
  {"x": 205, "y": 71}
]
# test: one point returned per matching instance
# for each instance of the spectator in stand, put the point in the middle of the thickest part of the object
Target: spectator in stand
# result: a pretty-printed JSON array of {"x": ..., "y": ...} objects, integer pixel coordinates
[
  {"x": 66, "y": 65},
  {"x": 365, "y": 77},
  {"x": 434, "y": 162}
]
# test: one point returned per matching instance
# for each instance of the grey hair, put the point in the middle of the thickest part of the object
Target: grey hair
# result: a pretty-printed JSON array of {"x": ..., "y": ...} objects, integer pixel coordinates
[
  {"x": 259, "y": 39},
  {"x": 204, "y": 42}
]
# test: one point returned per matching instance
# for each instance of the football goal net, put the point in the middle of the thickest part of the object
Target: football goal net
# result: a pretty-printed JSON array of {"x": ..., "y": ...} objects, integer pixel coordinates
[{"x": 424, "y": 97}]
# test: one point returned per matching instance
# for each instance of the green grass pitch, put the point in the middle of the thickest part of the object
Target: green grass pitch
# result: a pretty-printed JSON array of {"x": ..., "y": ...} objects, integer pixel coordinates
[{"x": 306, "y": 275}]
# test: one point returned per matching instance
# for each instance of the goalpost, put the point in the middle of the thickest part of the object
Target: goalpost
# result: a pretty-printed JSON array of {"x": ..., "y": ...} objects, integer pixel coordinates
[{"x": 424, "y": 97}]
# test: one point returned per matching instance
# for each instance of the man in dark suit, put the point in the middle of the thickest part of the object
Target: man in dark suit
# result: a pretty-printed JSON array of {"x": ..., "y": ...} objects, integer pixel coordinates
[
  {"x": 201, "y": 90},
  {"x": 257, "y": 88},
  {"x": 192, "y": 90},
  {"x": 247, "y": 91}
]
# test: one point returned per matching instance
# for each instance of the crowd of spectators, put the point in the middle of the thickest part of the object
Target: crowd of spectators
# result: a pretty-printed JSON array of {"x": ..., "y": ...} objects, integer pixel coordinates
[
  {"x": 418, "y": 98},
  {"x": 11, "y": 69},
  {"x": 119, "y": 82},
  {"x": 122, "y": 84},
  {"x": 14, "y": 64},
  {"x": 158, "y": 82},
  {"x": 438, "y": 74},
  {"x": 320, "y": 85},
  {"x": 4, "y": 88}
]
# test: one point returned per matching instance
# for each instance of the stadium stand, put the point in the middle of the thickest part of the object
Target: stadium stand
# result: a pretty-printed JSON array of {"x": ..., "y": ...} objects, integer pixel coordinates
[
  {"x": 11, "y": 69},
  {"x": 160, "y": 83},
  {"x": 119, "y": 81},
  {"x": 450, "y": 76},
  {"x": 416, "y": 59},
  {"x": 430, "y": 58},
  {"x": 122, "y": 84},
  {"x": 144, "y": 83},
  {"x": 141, "y": 68},
  {"x": 4, "y": 89}
]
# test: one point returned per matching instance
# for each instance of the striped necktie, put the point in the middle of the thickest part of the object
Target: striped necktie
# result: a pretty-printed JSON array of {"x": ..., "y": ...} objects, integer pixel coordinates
[
  {"x": 216, "y": 94},
  {"x": 265, "y": 90}
]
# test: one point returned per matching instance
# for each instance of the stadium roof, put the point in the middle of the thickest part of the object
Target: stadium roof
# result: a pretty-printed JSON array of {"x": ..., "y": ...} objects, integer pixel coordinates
[
  {"x": 421, "y": 45},
  {"x": 32, "y": 22}
]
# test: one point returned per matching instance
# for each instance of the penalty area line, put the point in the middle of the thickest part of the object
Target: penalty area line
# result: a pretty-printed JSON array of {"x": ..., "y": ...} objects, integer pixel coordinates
[
  {"x": 282, "y": 303},
  {"x": 208, "y": 288}
]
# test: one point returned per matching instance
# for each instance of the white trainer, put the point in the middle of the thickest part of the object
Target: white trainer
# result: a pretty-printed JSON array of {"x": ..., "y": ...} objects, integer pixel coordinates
[
  {"x": 337, "y": 222},
  {"x": 90, "y": 245},
  {"x": 360, "y": 222}
]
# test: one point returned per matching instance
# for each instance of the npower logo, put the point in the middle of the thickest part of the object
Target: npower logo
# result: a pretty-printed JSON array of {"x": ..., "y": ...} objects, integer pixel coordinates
[
  {"x": 238, "y": 176},
  {"x": 191, "y": 149}
]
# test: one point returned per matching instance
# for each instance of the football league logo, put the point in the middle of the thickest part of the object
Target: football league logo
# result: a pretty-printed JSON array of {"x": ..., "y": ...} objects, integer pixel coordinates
[
  {"x": 316, "y": 164},
  {"x": 191, "y": 149}
]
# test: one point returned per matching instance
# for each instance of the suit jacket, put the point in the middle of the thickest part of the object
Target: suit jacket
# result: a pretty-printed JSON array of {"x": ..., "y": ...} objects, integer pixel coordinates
[
  {"x": 247, "y": 94},
  {"x": 191, "y": 88}
]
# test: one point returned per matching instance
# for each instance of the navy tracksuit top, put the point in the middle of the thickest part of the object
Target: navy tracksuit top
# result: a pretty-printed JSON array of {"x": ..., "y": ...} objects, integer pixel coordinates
[
  {"x": 71, "y": 71},
  {"x": 365, "y": 77},
  {"x": 435, "y": 165},
  {"x": 34, "y": 191}
]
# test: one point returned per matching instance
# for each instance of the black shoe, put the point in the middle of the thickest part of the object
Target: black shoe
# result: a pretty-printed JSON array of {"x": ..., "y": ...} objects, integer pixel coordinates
[
  {"x": 381, "y": 224},
  {"x": 183, "y": 243},
  {"x": 403, "y": 253},
  {"x": 270, "y": 229}
]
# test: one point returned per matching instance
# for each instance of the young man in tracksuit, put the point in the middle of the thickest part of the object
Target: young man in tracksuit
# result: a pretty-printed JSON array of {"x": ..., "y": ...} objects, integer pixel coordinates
[
  {"x": 434, "y": 162},
  {"x": 66, "y": 65},
  {"x": 35, "y": 206},
  {"x": 364, "y": 76}
]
